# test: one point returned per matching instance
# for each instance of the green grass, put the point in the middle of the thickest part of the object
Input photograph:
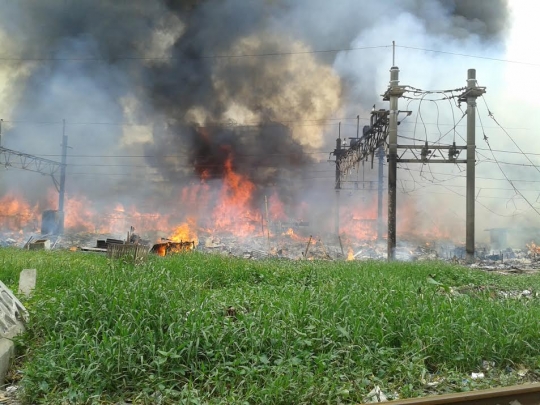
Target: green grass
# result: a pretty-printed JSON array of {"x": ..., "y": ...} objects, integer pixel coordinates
[{"x": 210, "y": 329}]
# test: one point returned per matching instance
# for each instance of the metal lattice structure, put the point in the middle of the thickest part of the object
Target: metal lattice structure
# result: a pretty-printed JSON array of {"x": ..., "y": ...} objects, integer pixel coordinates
[
  {"x": 24, "y": 161},
  {"x": 361, "y": 148}
]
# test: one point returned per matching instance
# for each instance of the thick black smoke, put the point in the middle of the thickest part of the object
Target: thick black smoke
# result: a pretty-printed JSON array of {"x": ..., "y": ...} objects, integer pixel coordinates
[{"x": 486, "y": 18}]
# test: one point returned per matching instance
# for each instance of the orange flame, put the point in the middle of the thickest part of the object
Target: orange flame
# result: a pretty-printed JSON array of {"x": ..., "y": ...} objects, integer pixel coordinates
[
  {"x": 161, "y": 250},
  {"x": 360, "y": 221},
  {"x": 534, "y": 249},
  {"x": 16, "y": 213},
  {"x": 290, "y": 233},
  {"x": 79, "y": 214},
  {"x": 233, "y": 213},
  {"x": 350, "y": 255},
  {"x": 185, "y": 232}
]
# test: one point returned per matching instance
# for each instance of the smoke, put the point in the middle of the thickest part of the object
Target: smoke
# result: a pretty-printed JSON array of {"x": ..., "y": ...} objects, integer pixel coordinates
[
  {"x": 180, "y": 74},
  {"x": 238, "y": 112}
]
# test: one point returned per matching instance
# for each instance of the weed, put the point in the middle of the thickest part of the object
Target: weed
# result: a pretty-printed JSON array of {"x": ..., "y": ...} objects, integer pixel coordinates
[{"x": 210, "y": 329}]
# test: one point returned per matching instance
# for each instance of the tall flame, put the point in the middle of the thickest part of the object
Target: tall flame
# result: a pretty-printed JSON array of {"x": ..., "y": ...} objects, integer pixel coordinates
[{"x": 233, "y": 212}]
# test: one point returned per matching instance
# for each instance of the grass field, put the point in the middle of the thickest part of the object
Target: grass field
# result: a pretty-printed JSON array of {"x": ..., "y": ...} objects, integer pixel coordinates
[{"x": 200, "y": 328}]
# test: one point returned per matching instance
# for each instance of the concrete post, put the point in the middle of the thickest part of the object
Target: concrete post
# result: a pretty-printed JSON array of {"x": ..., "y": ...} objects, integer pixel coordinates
[
  {"x": 338, "y": 182},
  {"x": 471, "y": 146},
  {"x": 392, "y": 162},
  {"x": 380, "y": 229},
  {"x": 61, "y": 191}
]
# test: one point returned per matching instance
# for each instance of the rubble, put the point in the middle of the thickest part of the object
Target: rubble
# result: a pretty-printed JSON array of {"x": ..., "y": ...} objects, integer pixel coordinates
[
  {"x": 294, "y": 244},
  {"x": 27, "y": 282},
  {"x": 40, "y": 244},
  {"x": 8, "y": 242},
  {"x": 376, "y": 395}
]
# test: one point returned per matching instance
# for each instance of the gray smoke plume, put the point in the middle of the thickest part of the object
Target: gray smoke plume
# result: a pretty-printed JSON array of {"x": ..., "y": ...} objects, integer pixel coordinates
[{"x": 180, "y": 73}]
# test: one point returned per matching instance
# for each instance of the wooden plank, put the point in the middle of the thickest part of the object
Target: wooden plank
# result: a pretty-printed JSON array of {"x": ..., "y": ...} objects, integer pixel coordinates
[{"x": 91, "y": 249}]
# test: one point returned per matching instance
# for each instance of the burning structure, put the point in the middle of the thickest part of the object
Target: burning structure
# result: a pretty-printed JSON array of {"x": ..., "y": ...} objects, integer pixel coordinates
[{"x": 208, "y": 117}]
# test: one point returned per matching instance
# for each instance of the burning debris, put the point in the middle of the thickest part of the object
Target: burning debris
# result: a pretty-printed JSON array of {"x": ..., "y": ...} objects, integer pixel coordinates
[
  {"x": 294, "y": 243},
  {"x": 169, "y": 247}
]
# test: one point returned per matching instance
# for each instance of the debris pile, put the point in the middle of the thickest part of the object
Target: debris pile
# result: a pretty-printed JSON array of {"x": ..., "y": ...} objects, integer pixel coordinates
[{"x": 294, "y": 243}]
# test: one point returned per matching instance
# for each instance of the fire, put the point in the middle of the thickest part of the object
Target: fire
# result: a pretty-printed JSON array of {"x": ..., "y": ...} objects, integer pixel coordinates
[
  {"x": 233, "y": 213},
  {"x": 360, "y": 222},
  {"x": 276, "y": 208},
  {"x": 79, "y": 214},
  {"x": 185, "y": 232},
  {"x": 534, "y": 249},
  {"x": 161, "y": 250},
  {"x": 290, "y": 233},
  {"x": 350, "y": 255},
  {"x": 164, "y": 248},
  {"x": 16, "y": 214},
  {"x": 222, "y": 201},
  {"x": 213, "y": 205}
]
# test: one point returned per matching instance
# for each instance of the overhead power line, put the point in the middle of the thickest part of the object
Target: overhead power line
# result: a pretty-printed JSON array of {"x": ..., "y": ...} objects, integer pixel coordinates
[
  {"x": 468, "y": 55},
  {"x": 226, "y": 56},
  {"x": 275, "y": 122},
  {"x": 8, "y": 58},
  {"x": 234, "y": 155},
  {"x": 490, "y": 114},
  {"x": 517, "y": 191},
  {"x": 225, "y": 124}
]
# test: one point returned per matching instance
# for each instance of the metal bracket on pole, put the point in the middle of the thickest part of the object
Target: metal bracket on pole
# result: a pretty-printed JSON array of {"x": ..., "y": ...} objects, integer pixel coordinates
[{"x": 432, "y": 153}]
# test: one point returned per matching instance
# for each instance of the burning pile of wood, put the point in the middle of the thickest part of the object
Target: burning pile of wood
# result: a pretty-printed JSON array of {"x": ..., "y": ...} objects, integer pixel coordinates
[{"x": 166, "y": 247}]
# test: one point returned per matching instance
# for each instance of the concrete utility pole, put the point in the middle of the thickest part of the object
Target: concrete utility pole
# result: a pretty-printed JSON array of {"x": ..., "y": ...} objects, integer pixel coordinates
[
  {"x": 393, "y": 94},
  {"x": 62, "y": 188},
  {"x": 337, "y": 152},
  {"x": 471, "y": 169},
  {"x": 470, "y": 96},
  {"x": 380, "y": 230}
]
